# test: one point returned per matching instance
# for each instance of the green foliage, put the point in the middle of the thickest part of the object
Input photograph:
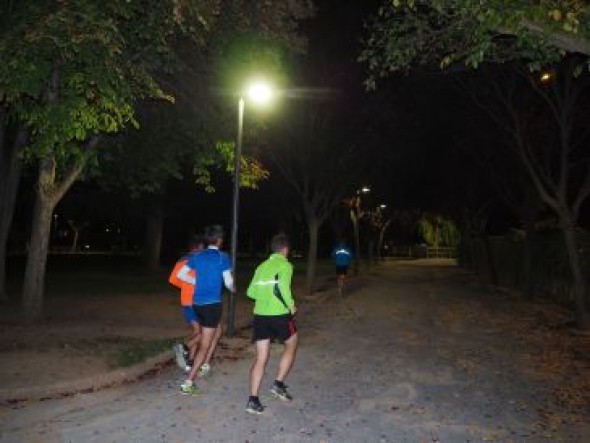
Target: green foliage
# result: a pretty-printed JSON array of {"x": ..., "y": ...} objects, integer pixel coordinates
[
  {"x": 251, "y": 170},
  {"x": 437, "y": 230},
  {"x": 444, "y": 32},
  {"x": 82, "y": 68},
  {"x": 77, "y": 68},
  {"x": 128, "y": 351}
]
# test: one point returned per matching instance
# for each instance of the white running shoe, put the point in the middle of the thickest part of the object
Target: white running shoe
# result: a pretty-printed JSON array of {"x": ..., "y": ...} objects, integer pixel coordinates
[
  {"x": 205, "y": 370},
  {"x": 179, "y": 355}
]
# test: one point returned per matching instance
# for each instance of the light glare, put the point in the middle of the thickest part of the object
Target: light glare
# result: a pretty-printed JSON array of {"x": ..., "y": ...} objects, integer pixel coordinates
[
  {"x": 259, "y": 92},
  {"x": 545, "y": 76}
]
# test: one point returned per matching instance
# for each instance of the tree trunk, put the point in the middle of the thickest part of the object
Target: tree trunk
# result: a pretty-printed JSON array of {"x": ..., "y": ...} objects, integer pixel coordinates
[
  {"x": 10, "y": 172},
  {"x": 370, "y": 250},
  {"x": 381, "y": 238},
  {"x": 49, "y": 192},
  {"x": 153, "y": 234},
  {"x": 312, "y": 252},
  {"x": 34, "y": 284},
  {"x": 578, "y": 279}
]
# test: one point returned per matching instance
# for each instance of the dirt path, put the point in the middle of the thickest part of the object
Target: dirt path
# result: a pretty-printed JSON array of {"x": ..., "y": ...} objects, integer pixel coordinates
[{"x": 413, "y": 354}]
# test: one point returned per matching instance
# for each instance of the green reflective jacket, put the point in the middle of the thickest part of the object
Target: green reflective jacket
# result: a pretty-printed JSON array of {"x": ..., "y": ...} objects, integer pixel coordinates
[{"x": 272, "y": 274}]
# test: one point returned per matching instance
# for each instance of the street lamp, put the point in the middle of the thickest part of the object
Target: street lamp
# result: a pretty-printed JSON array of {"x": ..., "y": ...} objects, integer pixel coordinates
[{"x": 258, "y": 92}]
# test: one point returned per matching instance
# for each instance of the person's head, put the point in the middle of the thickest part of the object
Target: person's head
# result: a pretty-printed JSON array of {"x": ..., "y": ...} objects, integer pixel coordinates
[
  {"x": 280, "y": 244},
  {"x": 196, "y": 242},
  {"x": 214, "y": 235}
]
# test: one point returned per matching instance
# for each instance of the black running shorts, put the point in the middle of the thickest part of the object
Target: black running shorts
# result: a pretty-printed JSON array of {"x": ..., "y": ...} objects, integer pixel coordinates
[
  {"x": 208, "y": 316},
  {"x": 341, "y": 270},
  {"x": 274, "y": 326}
]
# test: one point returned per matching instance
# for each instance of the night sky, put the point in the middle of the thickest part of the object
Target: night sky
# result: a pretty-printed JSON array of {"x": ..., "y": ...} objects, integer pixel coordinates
[{"x": 419, "y": 130}]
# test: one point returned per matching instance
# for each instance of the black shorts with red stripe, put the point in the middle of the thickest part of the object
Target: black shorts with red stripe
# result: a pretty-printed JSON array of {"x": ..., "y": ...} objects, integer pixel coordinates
[{"x": 267, "y": 327}]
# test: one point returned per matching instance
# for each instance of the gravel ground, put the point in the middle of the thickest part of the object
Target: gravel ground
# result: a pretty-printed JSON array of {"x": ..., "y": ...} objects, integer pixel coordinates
[{"x": 413, "y": 353}]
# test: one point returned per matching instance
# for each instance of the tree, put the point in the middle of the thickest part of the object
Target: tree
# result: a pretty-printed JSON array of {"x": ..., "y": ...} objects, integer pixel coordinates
[
  {"x": 408, "y": 33},
  {"x": 174, "y": 143},
  {"x": 538, "y": 34},
  {"x": 437, "y": 230},
  {"x": 77, "y": 72},
  {"x": 319, "y": 159},
  {"x": 379, "y": 221},
  {"x": 12, "y": 142}
]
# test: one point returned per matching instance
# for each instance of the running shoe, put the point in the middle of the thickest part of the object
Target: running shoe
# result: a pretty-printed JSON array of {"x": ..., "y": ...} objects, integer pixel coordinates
[
  {"x": 254, "y": 406},
  {"x": 189, "y": 389},
  {"x": 279, "y": 390},
  {"x": 179, "y": 354},
  {"x": 205, "y": 370}
]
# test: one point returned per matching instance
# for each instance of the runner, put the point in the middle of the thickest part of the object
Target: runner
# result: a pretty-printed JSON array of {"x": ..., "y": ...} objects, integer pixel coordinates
[
  {"x": 185, "y": 353},
  {"x": 342, "y": 257},
  {"x": 273, "y": 318},
  {"x": 213, "y": 269}
]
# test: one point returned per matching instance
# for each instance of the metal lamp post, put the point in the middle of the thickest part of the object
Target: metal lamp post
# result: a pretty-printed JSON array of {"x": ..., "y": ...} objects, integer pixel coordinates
[{"x": 257, "y": 92}]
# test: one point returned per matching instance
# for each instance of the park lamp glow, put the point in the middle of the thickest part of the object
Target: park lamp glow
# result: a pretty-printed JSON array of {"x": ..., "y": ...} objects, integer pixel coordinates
[
  {"x": 365, "y": 189},
  {"x": 259, "y": 92},
  {"x": 545, "y": 76}
]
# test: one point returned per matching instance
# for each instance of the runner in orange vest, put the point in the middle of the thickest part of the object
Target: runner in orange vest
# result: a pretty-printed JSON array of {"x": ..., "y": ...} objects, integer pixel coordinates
[{"x": 185, "y": 353}]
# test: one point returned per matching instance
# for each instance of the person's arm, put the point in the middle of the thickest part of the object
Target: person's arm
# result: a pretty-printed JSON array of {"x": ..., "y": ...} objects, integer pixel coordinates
[
  {"x": 285, "y": 277},
  {"x": 228, "y": 280},
  {"x": 184, "y": 275},
  {"x": 251, "y": 291}
]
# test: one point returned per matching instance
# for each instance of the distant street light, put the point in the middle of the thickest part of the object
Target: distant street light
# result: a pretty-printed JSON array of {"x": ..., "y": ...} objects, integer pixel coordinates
[{"x": 259, "y": 93}]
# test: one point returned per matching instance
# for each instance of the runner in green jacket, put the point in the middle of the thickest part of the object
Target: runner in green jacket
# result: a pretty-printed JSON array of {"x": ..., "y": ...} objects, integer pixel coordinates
[{"x": 273, "y": 318}]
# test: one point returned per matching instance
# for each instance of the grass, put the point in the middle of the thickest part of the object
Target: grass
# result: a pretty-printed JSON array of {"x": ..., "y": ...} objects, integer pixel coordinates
[
  {"x": 111, "y": 276},
  {"x": 78, "y": 275},
  {"x": 128, "y": 351}
]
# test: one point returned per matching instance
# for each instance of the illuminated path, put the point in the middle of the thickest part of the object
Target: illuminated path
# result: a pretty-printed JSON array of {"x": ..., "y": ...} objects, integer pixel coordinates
[{"x": 415, "y": 353}]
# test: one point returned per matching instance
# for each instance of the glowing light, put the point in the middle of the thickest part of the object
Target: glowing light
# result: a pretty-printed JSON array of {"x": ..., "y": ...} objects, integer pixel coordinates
[
  {"x": 545, "y": 77},
  {"x": 259, "y": 92}
]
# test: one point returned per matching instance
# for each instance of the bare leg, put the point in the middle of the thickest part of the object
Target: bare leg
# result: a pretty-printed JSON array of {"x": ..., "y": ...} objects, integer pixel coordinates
[
  {"x": 259, "y": 365},
  {"x": 216, "y": 337},
  {"x": 287, "y": 358},
  {"x": 340, "y": 284},
  {"x": 207, "y": 335},
  {"x": 193, "y": 341}
]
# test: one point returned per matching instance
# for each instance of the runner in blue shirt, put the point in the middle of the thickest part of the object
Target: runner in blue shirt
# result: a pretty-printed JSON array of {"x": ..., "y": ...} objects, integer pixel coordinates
[
  {"x": 213, "y": 271},
  {"x": 342, "y": 257}
]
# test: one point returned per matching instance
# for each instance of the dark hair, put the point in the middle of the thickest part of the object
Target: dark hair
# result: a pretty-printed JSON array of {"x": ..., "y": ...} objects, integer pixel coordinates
[
  {"x": 279, "y": 242},
  {"x": 213, "y": 233},
  {"x": 195, "y": 241}
]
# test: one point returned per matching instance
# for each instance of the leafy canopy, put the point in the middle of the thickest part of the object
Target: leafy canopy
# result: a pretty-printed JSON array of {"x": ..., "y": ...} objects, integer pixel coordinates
[
  {"x": 406, "y": 33},
  {"x": 76, "y": 68}
]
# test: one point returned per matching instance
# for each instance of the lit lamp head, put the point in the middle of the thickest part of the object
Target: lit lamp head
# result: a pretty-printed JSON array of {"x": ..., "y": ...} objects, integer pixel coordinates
[{"x": 259, "y": 93}]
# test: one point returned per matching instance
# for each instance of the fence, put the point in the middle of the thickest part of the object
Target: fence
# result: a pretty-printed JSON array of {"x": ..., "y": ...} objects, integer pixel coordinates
[
  {"x": 536, "y": 265},
  {"x": 421, "y": 251}
]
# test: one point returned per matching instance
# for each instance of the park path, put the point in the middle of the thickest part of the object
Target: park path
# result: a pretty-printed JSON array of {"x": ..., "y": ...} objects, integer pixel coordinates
[{"x": 414, "y": 353}]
